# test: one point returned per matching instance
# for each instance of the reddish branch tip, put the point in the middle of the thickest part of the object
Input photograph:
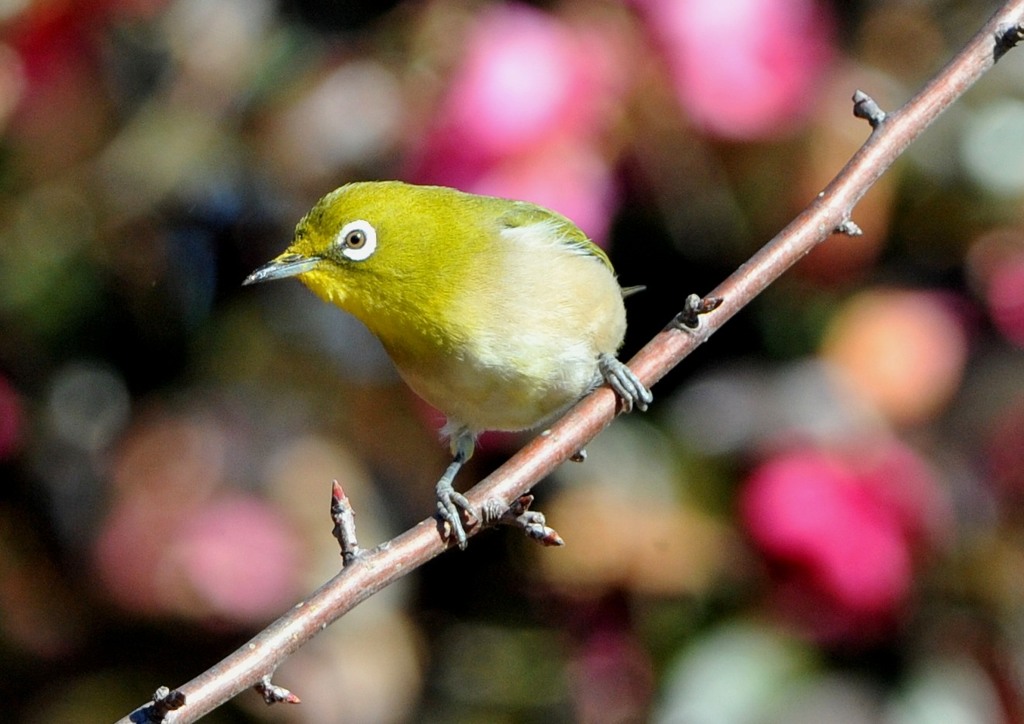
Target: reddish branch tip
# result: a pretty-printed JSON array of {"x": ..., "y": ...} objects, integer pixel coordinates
[
  {"x": 531, "y": 522},
  {"x": 549, "y": 537},
  {"x": 273, "y": 694},
  {"x": 337, "y": 494},
  {"x": 344, "y": 518}
]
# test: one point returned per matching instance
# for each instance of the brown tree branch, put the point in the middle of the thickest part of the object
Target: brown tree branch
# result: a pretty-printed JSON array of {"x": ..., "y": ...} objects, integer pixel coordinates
[{"x": 254, "y": 663}]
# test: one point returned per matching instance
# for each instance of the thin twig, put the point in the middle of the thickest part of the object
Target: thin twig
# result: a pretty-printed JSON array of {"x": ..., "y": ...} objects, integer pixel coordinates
[
  {"x": 830, "y": 211},
  {"x": 344, "y": 518}
]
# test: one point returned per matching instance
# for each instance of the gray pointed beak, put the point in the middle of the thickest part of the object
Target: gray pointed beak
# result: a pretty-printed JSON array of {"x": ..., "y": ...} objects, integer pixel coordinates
[{"x": 286, "y": 265}]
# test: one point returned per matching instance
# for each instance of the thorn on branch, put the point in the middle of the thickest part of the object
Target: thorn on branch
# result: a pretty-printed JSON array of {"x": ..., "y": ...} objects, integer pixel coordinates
[
  {"x": 1007, "y": 38},
  {"x": 519, "y": 515},
  {"x": 849, "y": 228},
  {"x": 344, "y": 518},
  {"x": 273, "y": 694},
  {"x": 693, "y": 307},
  {"x": 865, "y": 107}
]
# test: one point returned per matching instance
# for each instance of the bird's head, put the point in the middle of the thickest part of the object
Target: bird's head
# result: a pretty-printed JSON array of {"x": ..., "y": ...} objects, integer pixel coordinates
[
  {"x": 381, "y": 244},
  {"x": 387, "y": 250}
]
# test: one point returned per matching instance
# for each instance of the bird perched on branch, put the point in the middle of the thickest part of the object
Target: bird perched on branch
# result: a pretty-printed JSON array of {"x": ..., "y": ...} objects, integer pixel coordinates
[{"x": 501, "y": 314}]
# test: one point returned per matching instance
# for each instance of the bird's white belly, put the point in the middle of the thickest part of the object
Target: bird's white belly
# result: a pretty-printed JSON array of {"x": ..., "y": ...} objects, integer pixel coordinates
[{"x": 508, "y": 391}]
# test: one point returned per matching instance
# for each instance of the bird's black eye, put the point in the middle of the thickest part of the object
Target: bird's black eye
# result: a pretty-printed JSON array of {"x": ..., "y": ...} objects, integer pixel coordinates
[{"x": 355, "y": 239}]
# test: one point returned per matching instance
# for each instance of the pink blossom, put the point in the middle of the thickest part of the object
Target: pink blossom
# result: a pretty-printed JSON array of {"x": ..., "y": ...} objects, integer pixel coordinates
[
  {"x": 524, "y": 113},
  {"x": 525, "y": 76},
  {"x": 12, "y": 419},
  {"x": 1005, "y": 297},
  {"x": 573, "y": 180},
  {"x": 53, "y": 38},
  {"x": 842, "y": 531},
  {"x": 128, "y": 553},
  {"x": 746, "y": 69},
  {"x": 1005, "y": 451},
  {"x": 233, "y": 559},
  {"x": 238, "y": 557}
]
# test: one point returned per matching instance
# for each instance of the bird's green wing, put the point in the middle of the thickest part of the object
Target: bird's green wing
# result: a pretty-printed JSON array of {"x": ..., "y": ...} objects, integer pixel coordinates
[{"x": 521, "y": 213}]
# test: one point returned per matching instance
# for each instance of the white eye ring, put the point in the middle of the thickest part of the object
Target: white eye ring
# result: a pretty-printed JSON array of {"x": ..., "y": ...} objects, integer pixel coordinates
[{"x": 357, "y": 240}]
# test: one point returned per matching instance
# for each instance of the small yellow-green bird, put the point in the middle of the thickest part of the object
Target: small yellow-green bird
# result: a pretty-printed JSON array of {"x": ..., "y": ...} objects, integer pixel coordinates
[{"x": 501, "y": 314}]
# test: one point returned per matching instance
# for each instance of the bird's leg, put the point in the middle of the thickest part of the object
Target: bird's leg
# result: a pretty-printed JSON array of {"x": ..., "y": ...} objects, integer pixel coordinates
[
  {"x": 626, "y": 384},
  {"x": 450, "y": 500}
]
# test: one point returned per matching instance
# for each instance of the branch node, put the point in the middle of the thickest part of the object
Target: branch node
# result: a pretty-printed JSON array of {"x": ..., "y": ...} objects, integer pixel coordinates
[
  {"x": 531, "y": 522},
  {"x": 344, "y": 518},
  {"x": 164, "y": 701},
  {"x": 273, "y": 694},
  {"x": 1007, "y": 38},
  {"x": 849, "y": 228},
  {"x": 864, "y": 106},
  {"x": 693, "y": 307}
]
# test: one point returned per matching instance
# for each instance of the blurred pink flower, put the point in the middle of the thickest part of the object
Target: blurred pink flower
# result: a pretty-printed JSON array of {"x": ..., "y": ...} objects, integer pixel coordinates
[
  {"x": 843, "y": 530},
  {"x": 1005, "y": 298},
  {"x": 239, "y": 558},
  {"x": 128, "y": 553},
  {"x": 903, "y": 484},
  {"x": 746, "y": 69},
  {"x": 523, "y": 113},
  {"x": 526, "y": 76},
  {"x": 53, "y": 38},
  {"x": 903, "y": 351},
  {"x": 11, "y": 419},
  {"x": 231, "y": 559},
  {"x": 1005, "y": 450},
  {"x": 611, "y": 678},
  {"x": 570, "y": 179}
]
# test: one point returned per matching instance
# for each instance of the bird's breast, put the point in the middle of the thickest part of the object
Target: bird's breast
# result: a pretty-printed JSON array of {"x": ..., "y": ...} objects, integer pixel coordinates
[{"x": 520, "y": 347}]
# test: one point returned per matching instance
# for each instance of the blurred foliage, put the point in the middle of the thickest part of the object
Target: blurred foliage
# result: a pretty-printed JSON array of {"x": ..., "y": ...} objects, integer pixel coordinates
[{"x": 822, "y": 518}]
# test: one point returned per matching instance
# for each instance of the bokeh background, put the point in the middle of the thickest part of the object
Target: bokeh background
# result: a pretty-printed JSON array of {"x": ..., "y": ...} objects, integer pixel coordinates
[{"x": 821, "y": 518}]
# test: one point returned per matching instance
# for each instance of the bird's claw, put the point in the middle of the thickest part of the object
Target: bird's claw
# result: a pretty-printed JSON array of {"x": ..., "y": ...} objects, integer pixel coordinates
[
  {"x": 626, "y": 384},
  {"x": 449, "y": 502}
]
